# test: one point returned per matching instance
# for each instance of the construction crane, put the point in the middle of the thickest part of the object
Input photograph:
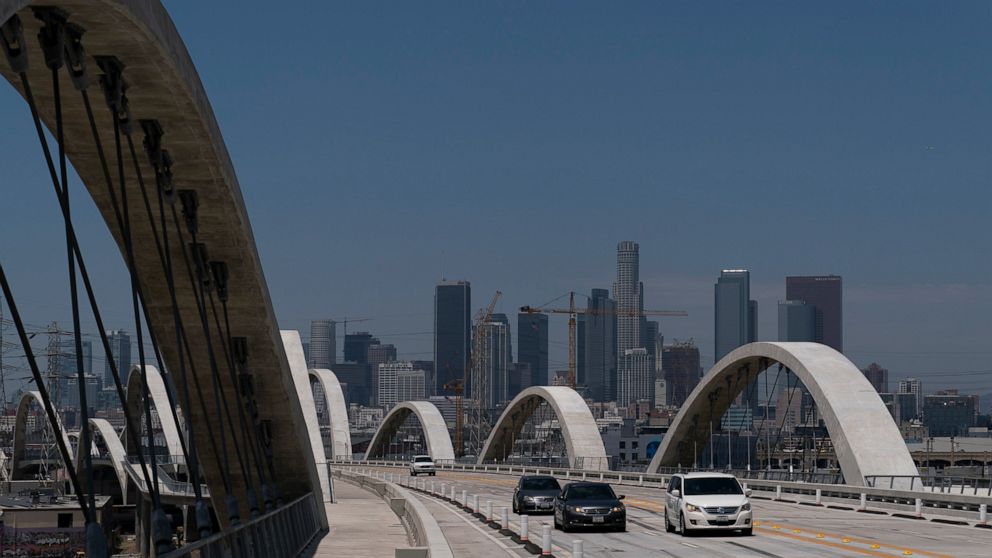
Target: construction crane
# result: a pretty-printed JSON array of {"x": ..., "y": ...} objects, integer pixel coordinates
[
  {"x": 478, "y": 419},
  {"x": 572, "y": 312}
]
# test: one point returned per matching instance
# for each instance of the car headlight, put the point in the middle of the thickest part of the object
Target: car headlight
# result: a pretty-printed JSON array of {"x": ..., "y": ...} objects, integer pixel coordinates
[
  {"x": 528, "y": 498},
  {"x": 574, "y": 509},
  {"x": 746, "y": 507},
  {"x": 617, "y": 509},
  {"x": 691, "y": 508}
]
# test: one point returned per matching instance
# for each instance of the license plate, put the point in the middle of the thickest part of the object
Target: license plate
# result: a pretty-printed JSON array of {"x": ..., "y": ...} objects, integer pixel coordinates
[
  {"x": 598, "y": 519},
  {"x": 544, "y": 505},
  {"x": 722, "y": 518}
]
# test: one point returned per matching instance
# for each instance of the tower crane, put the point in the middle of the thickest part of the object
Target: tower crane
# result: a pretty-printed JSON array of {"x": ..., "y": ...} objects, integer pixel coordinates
[
  {"x": 479, "y": 381},
  {"x": 572, "y": 312}
]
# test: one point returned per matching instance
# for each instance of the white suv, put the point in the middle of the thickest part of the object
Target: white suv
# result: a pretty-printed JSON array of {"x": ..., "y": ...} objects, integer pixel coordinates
[
  {"x": 706, "y": 501},
  {"x": 422, "y": 465}
]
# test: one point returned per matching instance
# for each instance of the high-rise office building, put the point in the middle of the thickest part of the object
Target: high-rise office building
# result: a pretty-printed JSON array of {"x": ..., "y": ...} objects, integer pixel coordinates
[
  {"x": 599, "y": 349},
  {"x": 878, "y": 377},
  {"x": 376, "y": 354},
  {"x": 532, "y": 346},
  {"x": 825, "y": 293},
  {"x": 949, "y": 414},
  {"x": 651, "y": 339},
  {"x": 357, "y": 382},
  {"x": 452, "y": 332},
  {"x": 323, "y": 344},
  {"x": 356, "y": 346},
  {"x": 120, "y": 349},
  {"x": 635, "y": 377},
  {"x": 796, "y": 321},
  {"x": 914, "y": 386},
  {"x": 628, "y": 292},
  {"x": 399, "y": 381},
  {"x": 680, "y": 368},
  {"x": 736, "y": 313},
  {"x": 520, "y": 378},
  {"x": 497, "y": 360}
]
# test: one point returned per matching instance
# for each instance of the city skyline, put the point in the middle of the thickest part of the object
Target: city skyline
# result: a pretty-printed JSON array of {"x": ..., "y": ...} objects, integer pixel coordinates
[{"x": 586, "y": 149}]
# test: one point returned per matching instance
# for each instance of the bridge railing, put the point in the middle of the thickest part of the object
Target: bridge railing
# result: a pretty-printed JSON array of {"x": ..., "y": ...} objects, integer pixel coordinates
[
  {"x": 284, "y": 532},
  {"x": 900, "y": 494},
  {"x": 976, "y": 486}
]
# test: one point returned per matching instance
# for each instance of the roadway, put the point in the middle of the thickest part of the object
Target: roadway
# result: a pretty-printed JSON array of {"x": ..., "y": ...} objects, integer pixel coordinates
[{"x": 782, "y": 530}]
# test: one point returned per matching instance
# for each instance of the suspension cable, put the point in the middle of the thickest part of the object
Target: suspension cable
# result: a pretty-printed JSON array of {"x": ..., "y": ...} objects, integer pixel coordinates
[
  {"x": 52, "y": 39},
  {"x": 768, "y": 395}
]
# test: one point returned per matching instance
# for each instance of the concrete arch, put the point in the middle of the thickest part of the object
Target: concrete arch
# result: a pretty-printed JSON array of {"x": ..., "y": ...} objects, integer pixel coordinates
[
  {"x": 118, "y": 455},
  {"x": 435, "y": 430},
  {"x": 160, "y": 403},
  {"x": 865, "y": 439},
  {"x": 583, "y": 444},
  {"x": 20, "y": 434},
  {"x": 163, "y": 84},
  {"x": 337, "y": 410}
]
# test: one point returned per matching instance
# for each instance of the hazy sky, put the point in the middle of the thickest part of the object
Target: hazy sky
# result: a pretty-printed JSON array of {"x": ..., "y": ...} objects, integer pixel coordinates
[{"x": 383, "y": 145}]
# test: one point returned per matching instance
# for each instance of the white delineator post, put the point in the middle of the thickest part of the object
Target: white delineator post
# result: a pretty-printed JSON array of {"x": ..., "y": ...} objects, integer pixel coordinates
[
  {"x": 918, "y": 508},
  {"x": 465, "y": 498},
  {"x": 504, "y": 518},
  {"x": 489, "y": 510},
  {"x": 524, "y": 529},
  {"x": 475, "y": 503},
  {"x": 778, "y": 492},
  {"x": 864, "y": 502},
  {"x": 577, "y": 549},
  {"x": 819, "y": 497},
  {"x": 983, "y": 514},
  {"x": 546, "y": 539}
]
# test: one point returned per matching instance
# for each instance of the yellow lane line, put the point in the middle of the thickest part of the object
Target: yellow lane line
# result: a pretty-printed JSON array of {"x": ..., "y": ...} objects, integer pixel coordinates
[
  {"x": 825, "y": 543},
  {"x": 847, "y": 539}
]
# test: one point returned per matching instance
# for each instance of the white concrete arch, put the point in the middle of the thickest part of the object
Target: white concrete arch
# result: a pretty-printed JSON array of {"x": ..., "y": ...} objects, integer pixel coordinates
[
  {"x": 163, "y": 85},
  {"x": 337, "y": 411},
  {"x": 865, "y": 438},
  {"x": 583, "y": 444},
  {"x": 20, "y": 426},
  {"x": 118, "y": 455},
  {"x": 431, "y": 421},
  {"x": 160, "y": 403}
]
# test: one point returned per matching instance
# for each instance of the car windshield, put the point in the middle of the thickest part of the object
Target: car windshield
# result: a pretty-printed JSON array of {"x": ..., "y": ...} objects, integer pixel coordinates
[
  {"x": 422, "y": 459},
  {"x": 539, "y": 484},
  {"x": 712, "y": 485},
  {"x": 591, "y": 492}
]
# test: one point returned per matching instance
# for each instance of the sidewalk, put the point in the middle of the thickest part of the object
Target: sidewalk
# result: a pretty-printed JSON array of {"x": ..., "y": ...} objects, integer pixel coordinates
[{"x": 361, "y": 525}]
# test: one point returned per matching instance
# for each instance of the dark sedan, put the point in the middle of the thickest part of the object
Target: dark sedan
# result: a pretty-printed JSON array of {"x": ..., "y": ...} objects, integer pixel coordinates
[
  {"x": 589, "y": 504},
  {"x": 535, "y": 493}
]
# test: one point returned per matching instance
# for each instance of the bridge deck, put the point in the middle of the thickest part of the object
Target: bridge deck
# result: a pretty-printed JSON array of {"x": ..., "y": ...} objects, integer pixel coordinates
[{"x": 361, "y": 525}]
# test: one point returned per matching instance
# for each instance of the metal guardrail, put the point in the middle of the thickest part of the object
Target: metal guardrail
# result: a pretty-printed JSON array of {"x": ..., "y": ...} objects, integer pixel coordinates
[
  {"x": 975, "y": 486},
  {"x": 284, "y": 532}
]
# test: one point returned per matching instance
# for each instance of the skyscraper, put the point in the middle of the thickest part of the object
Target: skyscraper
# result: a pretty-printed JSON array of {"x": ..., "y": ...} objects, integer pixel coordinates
[
  {"x": 452, "y": 332},
  {"x": 120, "y": 348},
  {"x": 497, "y": 359},
  {"x": 356, "y": 346},
  {"x": 323, "y": 344},
  {"x": 599, "y": 354},
  {"x": 878, "y": 376},
  {"x": 651, "y": 340},
  {"x": 377, "y": 354},
  {"x": 399, "y": 381},
  {"x": 825, "y": 293},
  {"x": 736, "y": 313},
  {"x": 628, "y": 292},
  {"x": 680, "y": 367},
  {"x": 635, "y": 381},
  {"x": 796, "y": 321},
  {"x": 532, "y": 346},
  {"x": 914, "y": 386}
]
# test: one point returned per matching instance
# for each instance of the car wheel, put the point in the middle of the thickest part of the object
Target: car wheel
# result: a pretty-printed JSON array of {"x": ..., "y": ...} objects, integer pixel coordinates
[
  {"x": 557, "y": 523},
  {"x": 682, "y": 530},
  {"x": 622, "y": 527},
  {"x": 565, "y": 527},
  {"x": 747, "y": 532},
  {"x": 433, "y": 474}
]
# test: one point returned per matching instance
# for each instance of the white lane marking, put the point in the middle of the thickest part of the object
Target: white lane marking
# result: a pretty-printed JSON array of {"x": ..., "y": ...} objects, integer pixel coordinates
[{"x": 690, "y": 545}]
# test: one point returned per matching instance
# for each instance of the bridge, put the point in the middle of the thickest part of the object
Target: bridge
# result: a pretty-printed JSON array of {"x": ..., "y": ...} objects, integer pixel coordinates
[{"x": 230, "y": 435}]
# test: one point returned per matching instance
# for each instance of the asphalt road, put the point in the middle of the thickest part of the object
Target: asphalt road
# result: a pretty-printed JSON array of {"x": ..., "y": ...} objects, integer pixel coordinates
[{"x": 782, "y": 530}]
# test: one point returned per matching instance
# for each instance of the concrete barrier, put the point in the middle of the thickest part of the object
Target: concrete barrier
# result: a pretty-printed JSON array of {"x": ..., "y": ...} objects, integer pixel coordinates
[{"x": 419, "y": 523}]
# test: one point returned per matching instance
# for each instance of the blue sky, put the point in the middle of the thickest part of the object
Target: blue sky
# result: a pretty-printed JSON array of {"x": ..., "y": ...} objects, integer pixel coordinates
[{"x": 513, "y": 144}]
